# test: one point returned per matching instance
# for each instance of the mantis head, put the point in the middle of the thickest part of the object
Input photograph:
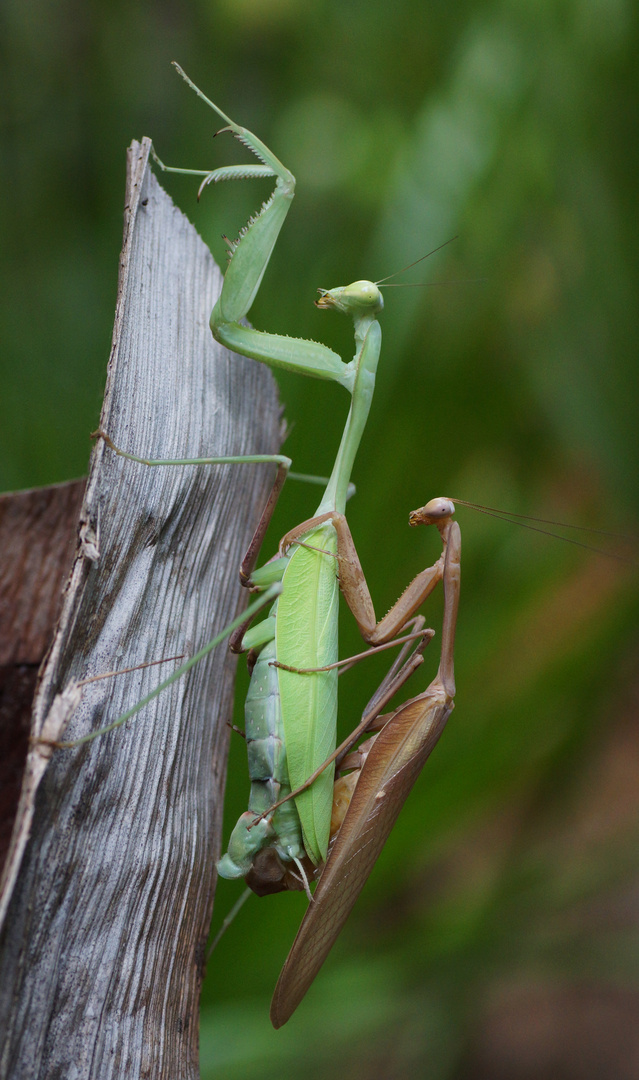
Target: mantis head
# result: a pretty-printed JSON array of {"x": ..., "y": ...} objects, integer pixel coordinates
[
  {"x": 360, "y": 298},
  {"x": 436, "y": 512},
  {"x": 364, "y": 297}
]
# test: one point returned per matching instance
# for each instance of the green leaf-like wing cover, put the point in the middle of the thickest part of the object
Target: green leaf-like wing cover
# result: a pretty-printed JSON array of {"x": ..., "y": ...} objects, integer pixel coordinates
[{"x": 306, "y": 636}]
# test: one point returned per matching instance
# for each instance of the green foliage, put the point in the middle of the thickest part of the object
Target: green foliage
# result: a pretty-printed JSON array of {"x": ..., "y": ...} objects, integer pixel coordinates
[{"x": 515, "y": 126}]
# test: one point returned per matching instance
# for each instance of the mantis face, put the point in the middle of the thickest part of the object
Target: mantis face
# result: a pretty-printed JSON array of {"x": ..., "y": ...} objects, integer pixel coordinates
[{"x": 360, "y": 298}]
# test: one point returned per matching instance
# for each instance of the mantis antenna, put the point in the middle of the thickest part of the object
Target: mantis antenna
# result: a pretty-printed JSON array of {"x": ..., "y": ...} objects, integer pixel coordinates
[
  {"x": 410, "y": 265},
  {"x": 525, "y": 520}
]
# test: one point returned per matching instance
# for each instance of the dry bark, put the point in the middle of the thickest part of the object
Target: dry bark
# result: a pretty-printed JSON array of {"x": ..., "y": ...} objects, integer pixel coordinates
[{"x": 111, "y": 869}]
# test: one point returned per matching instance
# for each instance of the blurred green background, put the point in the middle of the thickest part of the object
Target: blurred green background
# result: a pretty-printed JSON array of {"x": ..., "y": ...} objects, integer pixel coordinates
[{"x": 498, "y": 934}]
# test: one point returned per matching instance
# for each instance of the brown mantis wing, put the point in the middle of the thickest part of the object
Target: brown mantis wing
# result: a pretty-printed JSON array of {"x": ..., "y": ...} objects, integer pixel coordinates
[{"x": 392, "y": 767}]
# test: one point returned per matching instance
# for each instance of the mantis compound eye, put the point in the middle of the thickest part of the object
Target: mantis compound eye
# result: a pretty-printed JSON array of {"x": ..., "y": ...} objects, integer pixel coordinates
[{"x": 365, "y": 295}]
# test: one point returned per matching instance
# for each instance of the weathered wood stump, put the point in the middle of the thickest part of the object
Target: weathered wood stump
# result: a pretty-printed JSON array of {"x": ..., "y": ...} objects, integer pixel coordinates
[{"x": 110, "y": 874}]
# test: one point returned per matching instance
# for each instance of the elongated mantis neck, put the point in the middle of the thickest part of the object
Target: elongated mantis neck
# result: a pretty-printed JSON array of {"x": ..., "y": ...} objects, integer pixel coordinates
[{"x": 368, "y": 342}]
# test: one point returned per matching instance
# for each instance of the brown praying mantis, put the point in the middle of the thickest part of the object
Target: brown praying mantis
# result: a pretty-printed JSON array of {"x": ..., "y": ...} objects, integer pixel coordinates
[{"x": 368, "y": 800}]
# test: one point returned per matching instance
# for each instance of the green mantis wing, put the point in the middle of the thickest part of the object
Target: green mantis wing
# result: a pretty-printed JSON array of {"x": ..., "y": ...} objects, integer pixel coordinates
[
  {"x": 306, "y": 637},
  {"x": 391, "y": 768}
]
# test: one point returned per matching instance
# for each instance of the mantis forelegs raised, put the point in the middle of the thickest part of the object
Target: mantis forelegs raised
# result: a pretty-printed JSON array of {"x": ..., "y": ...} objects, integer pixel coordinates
[{"x": 351, "y": 576}]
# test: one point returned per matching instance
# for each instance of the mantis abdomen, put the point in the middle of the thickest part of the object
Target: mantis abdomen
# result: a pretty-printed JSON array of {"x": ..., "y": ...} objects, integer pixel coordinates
[{"x": 269, "y": 779}]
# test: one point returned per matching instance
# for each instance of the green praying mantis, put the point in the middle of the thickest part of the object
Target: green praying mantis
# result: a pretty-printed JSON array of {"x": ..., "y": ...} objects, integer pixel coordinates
[{"x": 302, "y": 824}]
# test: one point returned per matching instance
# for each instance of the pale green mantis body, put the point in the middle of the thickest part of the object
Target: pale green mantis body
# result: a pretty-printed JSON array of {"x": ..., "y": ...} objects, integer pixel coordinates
[{"x": 292, "y": 706}]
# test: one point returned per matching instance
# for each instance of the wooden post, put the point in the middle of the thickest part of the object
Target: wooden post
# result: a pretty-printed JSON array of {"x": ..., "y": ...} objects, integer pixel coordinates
[{"x": 111, "y": 872}]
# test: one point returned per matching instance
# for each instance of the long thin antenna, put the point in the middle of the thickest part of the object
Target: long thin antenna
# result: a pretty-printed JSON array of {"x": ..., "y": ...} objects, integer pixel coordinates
[
  {"x": 525, "y": 519},
  {"x": 421, "y": 259},
  {"x": 429, "y": 284}
]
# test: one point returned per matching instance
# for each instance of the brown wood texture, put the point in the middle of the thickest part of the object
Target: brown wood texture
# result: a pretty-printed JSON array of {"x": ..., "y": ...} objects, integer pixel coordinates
[
  {"x": 37, "y": 541},
  {"x": 111, "y": 873}
]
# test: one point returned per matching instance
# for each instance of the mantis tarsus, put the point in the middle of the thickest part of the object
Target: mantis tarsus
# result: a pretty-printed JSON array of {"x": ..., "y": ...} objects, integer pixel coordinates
[{"x": 292, "y": 702}]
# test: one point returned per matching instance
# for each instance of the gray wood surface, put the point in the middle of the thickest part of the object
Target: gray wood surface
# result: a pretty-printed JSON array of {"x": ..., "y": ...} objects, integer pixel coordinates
[{"x": 111, "y": 870}]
